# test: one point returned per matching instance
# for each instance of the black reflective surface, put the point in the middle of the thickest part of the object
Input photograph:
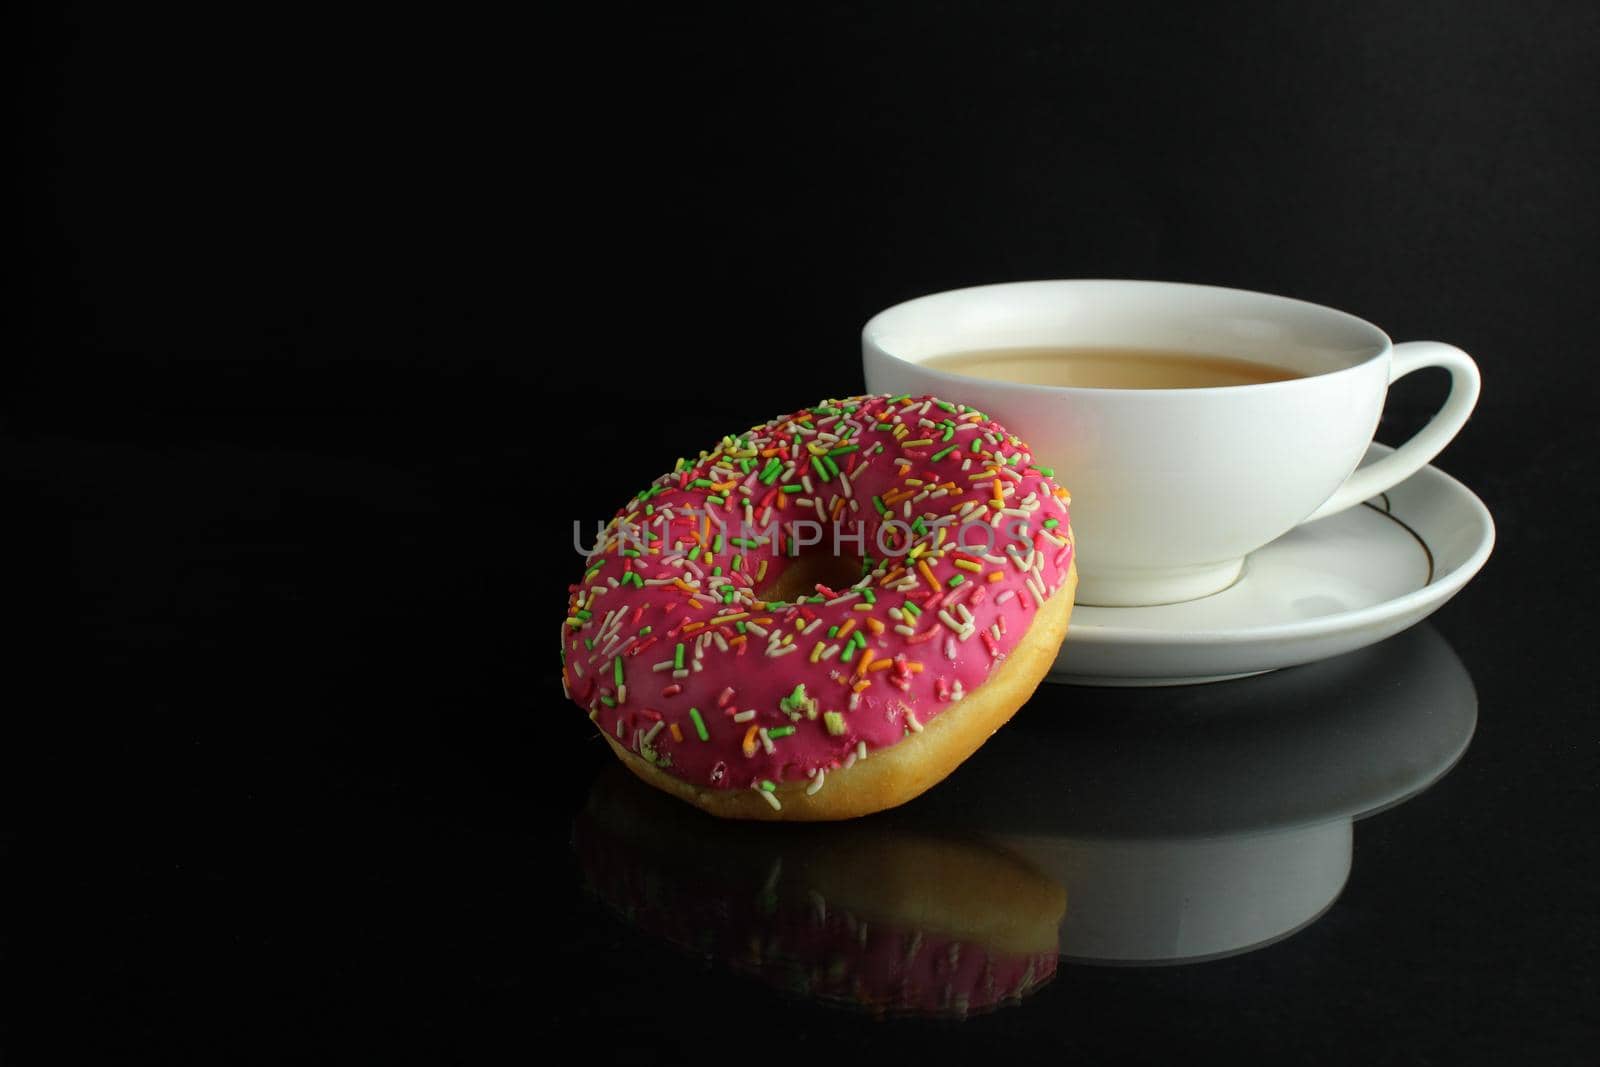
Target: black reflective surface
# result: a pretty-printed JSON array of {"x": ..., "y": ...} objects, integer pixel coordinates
[
  {"x": 336, "y": 320},
  {"x": 331, "y": 796}
]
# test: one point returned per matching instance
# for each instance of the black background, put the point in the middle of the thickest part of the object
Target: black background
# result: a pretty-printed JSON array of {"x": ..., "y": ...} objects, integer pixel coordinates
[{"x": 334, "y": 321}]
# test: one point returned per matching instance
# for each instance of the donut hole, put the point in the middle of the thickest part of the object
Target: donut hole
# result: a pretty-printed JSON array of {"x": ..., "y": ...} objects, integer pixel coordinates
[{"x": 800, "y": 575}]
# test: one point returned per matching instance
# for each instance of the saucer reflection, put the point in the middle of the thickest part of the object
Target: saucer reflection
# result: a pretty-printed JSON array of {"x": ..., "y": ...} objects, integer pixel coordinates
[
  {"x": 1109, "y": 826},
  {"x": 1187, "y": 824}
]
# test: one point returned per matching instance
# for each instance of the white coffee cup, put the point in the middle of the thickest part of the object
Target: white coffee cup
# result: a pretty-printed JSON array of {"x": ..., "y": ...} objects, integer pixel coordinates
[{"x": 1173, "y": 488}]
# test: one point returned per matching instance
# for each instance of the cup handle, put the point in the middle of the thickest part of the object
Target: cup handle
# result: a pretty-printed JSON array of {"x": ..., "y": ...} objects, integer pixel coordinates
[{"x": 1412, "y": 456}]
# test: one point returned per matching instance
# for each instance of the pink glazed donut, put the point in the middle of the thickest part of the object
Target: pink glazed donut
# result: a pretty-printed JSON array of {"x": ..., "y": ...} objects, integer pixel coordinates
[{"x": 823, "y": 616}]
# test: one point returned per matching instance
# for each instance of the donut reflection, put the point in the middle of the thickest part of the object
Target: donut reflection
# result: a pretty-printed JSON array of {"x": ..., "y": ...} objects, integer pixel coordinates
[
  {"x": 1128, "y": 827},
  {"x": 890, "y": 922}
]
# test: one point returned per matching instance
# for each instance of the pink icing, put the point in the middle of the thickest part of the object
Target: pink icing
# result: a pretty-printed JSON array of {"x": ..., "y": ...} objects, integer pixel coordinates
[{"x": 650, "y": 592}]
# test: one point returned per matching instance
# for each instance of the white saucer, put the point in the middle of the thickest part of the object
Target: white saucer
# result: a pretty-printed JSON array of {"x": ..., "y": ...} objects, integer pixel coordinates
[{"x": 1329, "y": 587}]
